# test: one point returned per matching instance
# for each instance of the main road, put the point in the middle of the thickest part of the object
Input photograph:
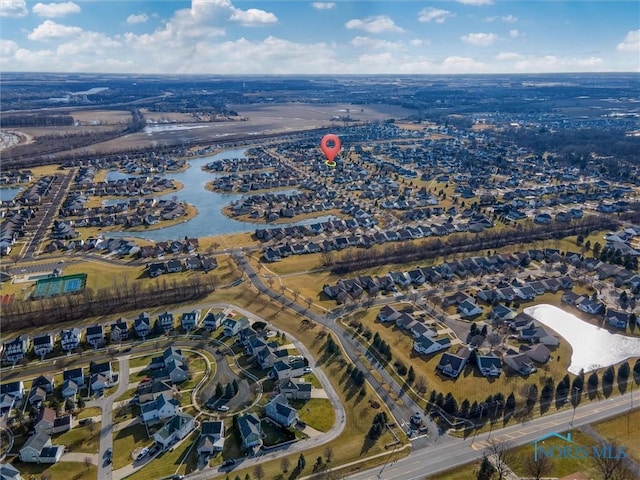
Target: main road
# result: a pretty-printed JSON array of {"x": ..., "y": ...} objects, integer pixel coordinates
[{"x": 439, "y": 458}]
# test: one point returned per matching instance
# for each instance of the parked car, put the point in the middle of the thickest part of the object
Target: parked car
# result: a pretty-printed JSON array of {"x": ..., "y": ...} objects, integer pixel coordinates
[
  {"x": 108, "y": 453},
  {"x": 143, "y": 453},
  {"x": 223, "y": 408},
  {"x": 228, "y": 462}
]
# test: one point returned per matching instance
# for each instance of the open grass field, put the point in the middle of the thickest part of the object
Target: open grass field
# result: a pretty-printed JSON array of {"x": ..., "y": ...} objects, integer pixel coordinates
[
  {"x": 625, "y": 429},
  {"x": 88, "y": 412},
  {"x": 466, "y": 472},
  {"x": 561, "y": 466},
  {"x": 102, "y": 117},
  {"x": 64, "y": 470}
]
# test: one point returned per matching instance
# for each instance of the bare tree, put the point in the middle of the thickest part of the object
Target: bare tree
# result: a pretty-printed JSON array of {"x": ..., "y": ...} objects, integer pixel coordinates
[
  {"x": 421, "y": 385},
  {"x": 87, "y": 462},
  {"x": 285, "y": 463},
  {"x": 610, "y": 464},
  {"x": 503, "y": 455},
  {"x": 493, "y": 339},
  {"x": 537, "y": 467},
  {"x": 328, "y": 453},
  {"x": 258, "y": 471}
]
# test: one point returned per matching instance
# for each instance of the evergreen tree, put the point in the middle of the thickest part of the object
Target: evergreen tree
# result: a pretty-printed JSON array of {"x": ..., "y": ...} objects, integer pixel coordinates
[
  {"x": 484, "y": 330},
  {"x": 219, "y": 391},
  {"x": 376, "y": 339},
  {"x": 411, "y": 376},
  {"x": 301, "y": 462},
  {"x": 235, "y": 386},
  {"x": 532, "y": 396},
  {"x": 450, "y": 404},
  {"x": 486, "y": 470},
  {"x": 511, "y": 403},
  {"x": 228, "y": 391},
  {"x": 81, "y": 402},
  {"x": 464, "y": 409}
]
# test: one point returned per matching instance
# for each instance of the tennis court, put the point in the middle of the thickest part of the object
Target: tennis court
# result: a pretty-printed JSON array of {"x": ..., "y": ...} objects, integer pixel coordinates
[{"x": 51, "y": 287}]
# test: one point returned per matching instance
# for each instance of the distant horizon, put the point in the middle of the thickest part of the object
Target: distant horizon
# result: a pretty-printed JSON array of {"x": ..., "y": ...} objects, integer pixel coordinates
[{"x": 343, "y": 37}]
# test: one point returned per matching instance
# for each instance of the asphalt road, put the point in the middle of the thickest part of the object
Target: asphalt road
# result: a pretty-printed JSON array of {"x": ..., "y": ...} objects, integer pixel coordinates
[{"x": 439, "y": 458}]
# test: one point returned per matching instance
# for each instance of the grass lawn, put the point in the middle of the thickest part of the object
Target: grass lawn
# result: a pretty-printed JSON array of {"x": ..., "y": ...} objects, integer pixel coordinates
[
  {"x": 89, "y": 412},
  {"x": 182, "y": 460},
  {"x": 84, "y": 439},
  {"x": 625, "y": 429},
  {"x": 275, "y": 434},
  {"x": 127, "y": 395},
  {"x": 470, "y": 384},
  {"x": 316, "y": 412},
  {"x": 196, "y": 378},
  {"x": 313, "y": 380},
  {"x": 561, "y": 466},
  {"x": 142, "y": 361},
  {"x": 125, "y": 412},
  {"x": 65, "y": 470},
  {"x": 126, "y": 441}
]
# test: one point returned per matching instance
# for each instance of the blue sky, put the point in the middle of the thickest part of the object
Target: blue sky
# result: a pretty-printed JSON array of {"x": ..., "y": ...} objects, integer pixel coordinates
[{"x": 289, "y": 37}]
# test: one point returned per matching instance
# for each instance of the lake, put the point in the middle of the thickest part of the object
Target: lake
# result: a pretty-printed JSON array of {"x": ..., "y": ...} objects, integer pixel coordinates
[{"x": 210, "y": 220}]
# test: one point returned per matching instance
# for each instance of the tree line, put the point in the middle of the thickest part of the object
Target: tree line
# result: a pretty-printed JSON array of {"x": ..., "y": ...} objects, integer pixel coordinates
[
  {"x": 406, "y": 252},
  {"x": 121, "y": 296}
]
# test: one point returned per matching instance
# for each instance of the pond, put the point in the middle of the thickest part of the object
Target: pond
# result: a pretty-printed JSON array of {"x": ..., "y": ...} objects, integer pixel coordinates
[
  {"x": 210, "y": 219},
  {"x": 593, "y": 347}
]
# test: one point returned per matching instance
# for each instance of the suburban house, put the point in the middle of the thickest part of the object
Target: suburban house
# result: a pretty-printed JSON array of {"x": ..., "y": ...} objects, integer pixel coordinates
[
  {"x": 538, "y": 352},
  {"x": 213, "y": 320},
  {"x": 70, "y": 339},
  {"x": 13, "y": 389},
  {"x": 617, "y": 319},
  {"x": 452, "y": 364},
  {"x": 489, "y": 365},
  {"x": 295, "y": 389},
  {"x": 520, "y": 363},
  {"x": 388, "y": 314},
  {"x": 163, "y": 406},
  {"x": 189, "y": 320},
  {"x": 469, "y": 309},
  {"x": 250, "y": 430},
  {"x": 43, "y": 345},
  {"x": 233, "y": 326},
  {"x": 172, "y": 365},
  {"x": 164, "y": 323},
  {"x": 9, "y": 472},
  {"x": 119, "y": 331},
  {"x": 426, "y": 345},
  {"x": 45, "y": 381},
  {"x": 591, "y": 306},
  {"x": 38, "y": 449},
  {"x": 50, "y": 423},
  {"x": 101, "y": 376},
  {"x": 279, "y": 411},
  {"x": 538, "y": 335},
  {"x": 36, "y": 396},
  {"x": 17, "y": 349},
  {"x": 211, "y": 437},
  {"x": 142, "y": 325},
  {"x": 95, "y": 336},
  {"x": 176, "y": 428},
  {"x": 282, "y": 369},
  {"x": 7, "y": 402}
]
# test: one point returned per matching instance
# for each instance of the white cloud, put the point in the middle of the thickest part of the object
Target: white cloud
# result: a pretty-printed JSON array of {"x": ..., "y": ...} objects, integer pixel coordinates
[
  {"x": 8, "y": 47},
  {"x": 502, "y": 56},
  {"x": 514, "y": 33},
  {"x": 252, "y": 17},
  {"x": 13, "y": 8},
  {"x": 480, "y": 39},
  {"x": 374, "y": 43},
  {"x": 375, "y": 24},
  {"x": 475, "y": 2},
  {"x": 552, "y": 63},
  {"x": 417, "y": 42},
  {"x": 437, "y": 15},
  {"x": 137, "y": 18},
  {"x": 49, "y": 29},
  {"x": 53, "y": 10},
  {"x": 323, "y": 5},
  {"x": 631, "y": 42},
  {"x": 509, "y": 19}
]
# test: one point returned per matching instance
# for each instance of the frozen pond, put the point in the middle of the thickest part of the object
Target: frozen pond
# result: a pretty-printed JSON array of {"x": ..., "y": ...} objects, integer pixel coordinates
[{"x": 593, "y": 347}]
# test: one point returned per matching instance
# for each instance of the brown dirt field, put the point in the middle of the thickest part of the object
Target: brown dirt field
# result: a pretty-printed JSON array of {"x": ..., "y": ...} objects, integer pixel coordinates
[
  {"x": 262, "y": 119},
  {"x": 105, "y": 117},
  {"x": 167, "y": 117},
  {"x": 70, "y": 130}
]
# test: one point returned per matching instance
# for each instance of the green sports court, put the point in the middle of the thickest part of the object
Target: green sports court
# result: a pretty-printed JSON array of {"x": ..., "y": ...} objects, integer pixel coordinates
[{"x": 51, "y": 287}]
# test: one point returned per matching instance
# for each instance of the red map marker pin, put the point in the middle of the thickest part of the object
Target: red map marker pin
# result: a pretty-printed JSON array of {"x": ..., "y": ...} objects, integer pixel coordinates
[{"x": 330, "y": 145}]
